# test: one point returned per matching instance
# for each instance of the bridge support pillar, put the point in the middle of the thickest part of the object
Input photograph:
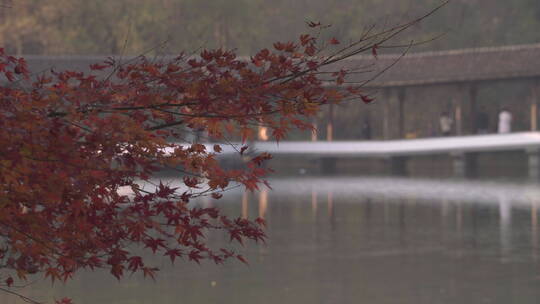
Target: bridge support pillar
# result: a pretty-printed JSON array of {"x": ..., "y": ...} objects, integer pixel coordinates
[
  {"x": 397, "y": 165},
  {"x": 394, "y": 113},
  {"x": 534, "y": 163},
  {"x": 463, "y": 164},
  {"x": 464, "y": 104},
  {"x": 534, "y": 95},
  {"x": 328, "y": 165}
]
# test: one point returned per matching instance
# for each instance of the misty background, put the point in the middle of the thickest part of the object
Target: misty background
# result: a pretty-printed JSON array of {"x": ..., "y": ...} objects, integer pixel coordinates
[{"x": 103, "y": 27}]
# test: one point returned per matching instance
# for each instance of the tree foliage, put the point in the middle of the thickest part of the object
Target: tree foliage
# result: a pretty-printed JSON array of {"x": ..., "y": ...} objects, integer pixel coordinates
[
  {"x": 102, "y": 27},
  {"x": 72, "y": 142}
]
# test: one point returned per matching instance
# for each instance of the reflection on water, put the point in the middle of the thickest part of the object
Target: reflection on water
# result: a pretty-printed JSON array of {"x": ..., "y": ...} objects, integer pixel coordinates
[
  {"x": 355, "y": 240},
  {"x": 314, "y": 202},
  {"x": 505, "y": 215},
  {"x": 534, "y": 227},
  {"x": 263, "y": 202}
]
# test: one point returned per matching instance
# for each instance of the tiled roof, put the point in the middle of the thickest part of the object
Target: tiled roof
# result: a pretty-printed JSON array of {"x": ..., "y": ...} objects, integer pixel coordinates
[{"x": 464, "y": 65}]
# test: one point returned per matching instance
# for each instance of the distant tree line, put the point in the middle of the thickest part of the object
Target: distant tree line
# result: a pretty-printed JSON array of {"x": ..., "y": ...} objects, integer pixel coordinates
[{"x": 167, "y": 26}]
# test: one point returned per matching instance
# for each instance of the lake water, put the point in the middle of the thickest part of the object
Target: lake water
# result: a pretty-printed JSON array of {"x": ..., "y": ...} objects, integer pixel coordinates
[{"x": 355, "y": 240}]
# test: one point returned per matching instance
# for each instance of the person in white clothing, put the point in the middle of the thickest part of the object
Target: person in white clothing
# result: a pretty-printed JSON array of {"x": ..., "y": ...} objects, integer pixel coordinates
[
  {"x": 505, "y": 121},
  {"x": 445, "y": 124}
]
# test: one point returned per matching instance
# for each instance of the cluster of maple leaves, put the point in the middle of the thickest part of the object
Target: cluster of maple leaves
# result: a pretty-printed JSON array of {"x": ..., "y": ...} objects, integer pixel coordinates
[{"x": 70, "y": 141}]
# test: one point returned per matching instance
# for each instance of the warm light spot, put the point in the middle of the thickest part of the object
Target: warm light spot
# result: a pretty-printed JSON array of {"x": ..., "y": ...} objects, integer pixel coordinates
[
  {"x": 534, "y": 117},
  {"x": 329, "y": 132},
  {"x": 263, "y": 202},
  {"x": 263, "y": 133},
  {"x": 24, "y": 209},
  {"x": 314, "y": 134},
  {"x": 330, "y": 203}
]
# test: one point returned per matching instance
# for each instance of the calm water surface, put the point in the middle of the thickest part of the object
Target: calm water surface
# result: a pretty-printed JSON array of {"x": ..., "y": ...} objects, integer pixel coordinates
[{"x": 355, "y": 240}]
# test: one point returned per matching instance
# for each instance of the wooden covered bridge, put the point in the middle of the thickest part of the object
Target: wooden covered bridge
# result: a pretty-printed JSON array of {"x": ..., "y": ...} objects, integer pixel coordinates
[
  {"x": 410, "y": 97},
  {"x": 419, "y": 86}
]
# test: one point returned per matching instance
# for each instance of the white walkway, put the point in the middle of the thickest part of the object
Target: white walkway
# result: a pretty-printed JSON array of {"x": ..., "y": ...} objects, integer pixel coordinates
[{"x": 405, "y": 147}]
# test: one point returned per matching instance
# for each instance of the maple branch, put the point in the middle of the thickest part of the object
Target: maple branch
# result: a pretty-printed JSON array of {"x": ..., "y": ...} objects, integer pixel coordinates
[
  {"x": 24, "y": 298},
  {"x": 392, "y": 32},
  {"x": 79, "y": 126},
  {"x": 365, "y": 82},
  {"x": 152, "y": 106},
  {"x": 117, "y": 67},
  {"x": 183, "y": 171},
  {"x": 166, "y": 125},
  {"x": 203, "y": 115},
  {"x": 333, "y": 58}
]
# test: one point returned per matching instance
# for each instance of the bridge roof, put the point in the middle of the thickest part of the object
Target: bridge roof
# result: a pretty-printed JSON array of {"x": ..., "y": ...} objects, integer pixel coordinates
[{"x": 453, "y": 66}]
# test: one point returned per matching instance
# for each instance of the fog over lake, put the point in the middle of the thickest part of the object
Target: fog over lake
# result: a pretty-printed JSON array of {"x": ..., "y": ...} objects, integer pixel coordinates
[{"x": 354, "y": 240}]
